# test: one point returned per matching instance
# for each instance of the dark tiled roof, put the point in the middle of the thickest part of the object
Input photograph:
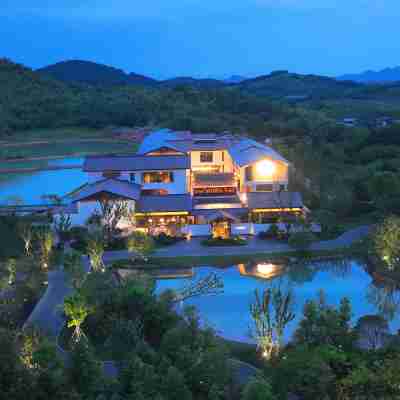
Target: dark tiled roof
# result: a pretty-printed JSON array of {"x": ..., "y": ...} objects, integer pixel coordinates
[
  {"x": 219, "y": 215},
  {"x": 169, "y": 203},
  {"x": 135, "y": 163},
  {"x": 274, "y": 200},
  {"x": 116, "y": 187}
]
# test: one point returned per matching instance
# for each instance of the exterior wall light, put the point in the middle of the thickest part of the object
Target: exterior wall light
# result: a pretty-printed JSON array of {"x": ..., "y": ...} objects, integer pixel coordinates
[{"x": 265, "y": 168}]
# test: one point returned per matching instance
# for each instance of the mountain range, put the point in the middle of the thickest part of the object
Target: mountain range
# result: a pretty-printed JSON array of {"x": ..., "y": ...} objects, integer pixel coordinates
[{"x": 387, "y": 75}]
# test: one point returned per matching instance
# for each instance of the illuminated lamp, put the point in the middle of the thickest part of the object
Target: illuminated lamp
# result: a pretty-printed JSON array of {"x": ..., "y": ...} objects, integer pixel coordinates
[
  {"x": 265, "y": 168},
  {"x": 266, "y": 269}
]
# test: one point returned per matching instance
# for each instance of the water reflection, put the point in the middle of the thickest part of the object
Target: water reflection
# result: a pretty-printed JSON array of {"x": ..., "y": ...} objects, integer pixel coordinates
[
  {"x": 261, "y": 270},
  {"x": 228, "y": 312},
  {"x": 386, "y": 298}
]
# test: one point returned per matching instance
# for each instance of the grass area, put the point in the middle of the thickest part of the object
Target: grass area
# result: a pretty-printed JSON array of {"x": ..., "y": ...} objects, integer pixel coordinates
[
  {"x": 58, "y": 149},
  {"x": 56, "y": 134}
]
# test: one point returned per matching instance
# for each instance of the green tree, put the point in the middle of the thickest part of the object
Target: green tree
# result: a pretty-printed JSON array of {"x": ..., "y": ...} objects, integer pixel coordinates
[
  {"x": 258, "y": 389},
  {"x": 95, "y": 249},
  {"x": 386, "y": 242},
  {"x": 74, "y": 269},
  {"x": 45, "y": 240},
  {"x": 85, "y": 372},
  {"x": 141, "y": 244},
  {"x": 301, "y": 241},
  {"x": 173, "y": 385},
  {"x": 76, "y": 310},
  {"x": 323, "y": 324}
]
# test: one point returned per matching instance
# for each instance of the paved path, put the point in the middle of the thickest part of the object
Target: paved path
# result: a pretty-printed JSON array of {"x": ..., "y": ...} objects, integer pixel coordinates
[{"x": 257, "y": 246}]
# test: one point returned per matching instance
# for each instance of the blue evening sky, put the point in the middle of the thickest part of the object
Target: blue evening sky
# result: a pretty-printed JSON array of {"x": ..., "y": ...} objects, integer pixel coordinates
[{"x": 165, "y": 38}]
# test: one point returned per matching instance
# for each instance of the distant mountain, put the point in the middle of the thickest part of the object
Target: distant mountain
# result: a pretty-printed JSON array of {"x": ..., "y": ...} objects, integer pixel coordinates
[
  {"x": 93, "y": 73},
  {"x": 283, "y": 84},
  {"x": 387, "y": 75},
  {"x": 235, "y": 79},
  {"x": 205, "y": 83}
]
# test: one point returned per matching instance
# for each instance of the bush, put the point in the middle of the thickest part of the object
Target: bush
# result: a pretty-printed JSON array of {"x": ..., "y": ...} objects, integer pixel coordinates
[
  {"x": 78, "y": 233},
  {"x": 258, "y": 389},
  {"x": 301, "y": 241},
  {"x": 166, "y": 240},
  {"x": 271, "y": 233},
  {"x": 232, "y": 241}
]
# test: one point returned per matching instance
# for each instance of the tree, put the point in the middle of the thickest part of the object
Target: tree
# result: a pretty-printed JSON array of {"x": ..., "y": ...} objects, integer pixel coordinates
[
  {"x": 95, "y": 249},
  {"x": 173, "y": 385},
  {"x": 141, "y": 244},
  {"x": 387, "y": 242},
  {"x": 76, "y": 310},
  {"x": 372, "y": 330},
  {"x": 271, "y": 312},
  {"x": 85, "y": 372},
  {"x": 258, "y": 389},
  {"x": 26, "y": 235},
  {"x": 73, "y": 267},
  {"x": 325, "y": 325},
  {"x": 11, "y": 267},
  {"x": 45, "y": 239},
  {"x": 301, "y": 241},
  {"x": 112, "y": 211}
]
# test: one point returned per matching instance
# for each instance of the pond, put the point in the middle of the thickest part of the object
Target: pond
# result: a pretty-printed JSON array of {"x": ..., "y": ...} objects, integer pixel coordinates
[
  {"x": 31, "y": 186},
  {"x": 228, "y": 312}
]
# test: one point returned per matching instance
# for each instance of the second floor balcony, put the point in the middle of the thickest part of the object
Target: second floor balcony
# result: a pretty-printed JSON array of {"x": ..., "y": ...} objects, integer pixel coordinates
[{"x": 211, "y": 184}]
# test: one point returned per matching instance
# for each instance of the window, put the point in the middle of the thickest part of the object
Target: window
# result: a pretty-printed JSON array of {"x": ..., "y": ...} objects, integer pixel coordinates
[
  {"x": 132, "y": 178},
  {"x": 265, "y": 188},
  {"x": 206, "y": 156},
  {"x": 111, "y": 174},
  {"x": 249, "y": 173},
  {"x": 158, "y": 177},
  {"x": 282, "y": 188},
  {"x": 154, "y": 192}
]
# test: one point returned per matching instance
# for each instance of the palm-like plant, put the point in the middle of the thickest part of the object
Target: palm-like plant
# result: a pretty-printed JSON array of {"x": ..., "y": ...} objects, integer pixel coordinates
[
  {"x": 76, "y": 310},
  {"x": 95, "y": 249}
]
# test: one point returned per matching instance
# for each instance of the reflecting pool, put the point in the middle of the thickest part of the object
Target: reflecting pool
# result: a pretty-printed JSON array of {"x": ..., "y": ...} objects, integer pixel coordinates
[
  {"x": 31, "y": 186},
  {"x": 228, "y": 312}
]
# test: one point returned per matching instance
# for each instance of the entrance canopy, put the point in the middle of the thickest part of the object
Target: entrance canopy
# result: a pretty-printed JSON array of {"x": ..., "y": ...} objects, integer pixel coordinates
[{"x": 221, "y": 215}]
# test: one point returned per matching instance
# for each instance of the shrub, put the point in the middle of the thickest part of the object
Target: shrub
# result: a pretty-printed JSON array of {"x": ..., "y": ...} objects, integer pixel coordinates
[
  {"x": 258, "y": 389},
  {"x": 271, "y": 233},
  {"x": 167, "y": 240},
  {"x": 232, "y": 241},
  {"x": 301, "y": 241},
  {"x": 387, "y": 242}
]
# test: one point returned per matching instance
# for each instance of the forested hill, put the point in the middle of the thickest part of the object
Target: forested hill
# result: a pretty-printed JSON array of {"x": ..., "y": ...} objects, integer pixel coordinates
[
  {"x": 30, "y": 100},
  {"x": 93, "y": 73},
  {"x": 387, "y": 75}
]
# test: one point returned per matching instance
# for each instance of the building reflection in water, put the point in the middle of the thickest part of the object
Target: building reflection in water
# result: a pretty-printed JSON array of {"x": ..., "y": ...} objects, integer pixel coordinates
[
  {"x": 262, "y": 270},
  {"x": 385, "y": 297}
]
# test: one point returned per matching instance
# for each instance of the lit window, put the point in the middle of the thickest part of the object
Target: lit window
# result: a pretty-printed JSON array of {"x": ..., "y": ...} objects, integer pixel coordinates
[
  {"x": 158, "y": 177},
  {"x": 206, "y": 157}
]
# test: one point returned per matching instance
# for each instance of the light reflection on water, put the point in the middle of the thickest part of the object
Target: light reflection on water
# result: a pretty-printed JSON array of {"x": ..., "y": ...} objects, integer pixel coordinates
[{"x": 228, "y": 312}]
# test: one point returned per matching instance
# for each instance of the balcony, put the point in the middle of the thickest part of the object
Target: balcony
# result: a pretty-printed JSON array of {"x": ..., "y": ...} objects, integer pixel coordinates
[{"x": 214, "y": 184}]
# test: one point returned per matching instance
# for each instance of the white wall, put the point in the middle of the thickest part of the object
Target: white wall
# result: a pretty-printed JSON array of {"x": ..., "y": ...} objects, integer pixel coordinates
[{"x": 223, "y": 161}]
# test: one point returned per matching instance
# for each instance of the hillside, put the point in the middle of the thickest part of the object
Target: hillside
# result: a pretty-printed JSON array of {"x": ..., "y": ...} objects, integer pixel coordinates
[
  {"x": 32, "y": 100},
  {"x": 93, "y": 73},
  {"x": 387, "y": 75},
  {"x": 193, "y": 82},
  {"x": 281, "y": 84}
]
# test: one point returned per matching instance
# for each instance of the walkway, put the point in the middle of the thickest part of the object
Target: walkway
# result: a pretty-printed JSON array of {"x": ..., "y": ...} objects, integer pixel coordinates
[
  {"x": 194, "y": 248},
  {"x": 48, "y": 314}
]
